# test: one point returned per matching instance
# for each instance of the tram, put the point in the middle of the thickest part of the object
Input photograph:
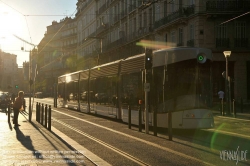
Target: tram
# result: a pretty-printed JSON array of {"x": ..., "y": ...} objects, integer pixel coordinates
[{"x": 180, "y": 83}]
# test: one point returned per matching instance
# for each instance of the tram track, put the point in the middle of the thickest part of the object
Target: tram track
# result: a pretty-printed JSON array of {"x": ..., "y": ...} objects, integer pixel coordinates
[
  {"x": 73, "y": 115},
  {"x": 168, "y": 150},
  {"x": 128, "y": 156}
]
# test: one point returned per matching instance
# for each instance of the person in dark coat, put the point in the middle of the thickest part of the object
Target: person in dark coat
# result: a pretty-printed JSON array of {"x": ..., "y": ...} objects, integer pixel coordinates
[{"x": 17, "y": 106}]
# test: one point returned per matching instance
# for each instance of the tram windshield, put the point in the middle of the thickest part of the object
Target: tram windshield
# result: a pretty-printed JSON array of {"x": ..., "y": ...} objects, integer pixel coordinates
[{"x": 186, "y": 85}]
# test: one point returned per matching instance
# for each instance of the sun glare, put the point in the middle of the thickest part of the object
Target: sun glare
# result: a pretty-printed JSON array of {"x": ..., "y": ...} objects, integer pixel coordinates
[{"x": 11, "y": 23}]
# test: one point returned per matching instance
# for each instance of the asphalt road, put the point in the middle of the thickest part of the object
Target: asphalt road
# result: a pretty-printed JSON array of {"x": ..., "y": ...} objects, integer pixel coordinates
[{"x": 115, "y": 143}]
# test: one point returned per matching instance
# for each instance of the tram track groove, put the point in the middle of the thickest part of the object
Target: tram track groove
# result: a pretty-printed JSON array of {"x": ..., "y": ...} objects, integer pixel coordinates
[
  {"x": 128, "y": 156},
  {"x": 138, "y": 139}
]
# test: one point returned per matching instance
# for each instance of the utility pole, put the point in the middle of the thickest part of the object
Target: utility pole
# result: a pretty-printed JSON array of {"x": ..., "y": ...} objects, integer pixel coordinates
[{"x": 30, "y": 82}]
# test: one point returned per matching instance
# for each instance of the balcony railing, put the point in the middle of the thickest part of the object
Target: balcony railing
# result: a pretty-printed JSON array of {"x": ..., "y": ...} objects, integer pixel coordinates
[
  {"x": 190, "y": 43},
  {"x": 233, "y": 5},
  {"x": 177, "y": 14},
  {"x": 222, "y": 42},
  {"x": 241, "y": 42}
]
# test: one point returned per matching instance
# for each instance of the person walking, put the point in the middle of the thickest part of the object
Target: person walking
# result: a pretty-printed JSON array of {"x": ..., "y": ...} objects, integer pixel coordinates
[
  {"x": 17, "y": 106},
  {"x": 221, "y": 97},
  {"x": 13, "y": 97}
]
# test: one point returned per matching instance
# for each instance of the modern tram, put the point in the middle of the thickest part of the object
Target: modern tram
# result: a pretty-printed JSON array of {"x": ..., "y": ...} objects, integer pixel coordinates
[{"x": 180, "y": 83}]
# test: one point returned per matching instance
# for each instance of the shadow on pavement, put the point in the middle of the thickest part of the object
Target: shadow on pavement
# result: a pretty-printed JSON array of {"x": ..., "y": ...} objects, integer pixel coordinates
[{"x": 27, "y": 142}]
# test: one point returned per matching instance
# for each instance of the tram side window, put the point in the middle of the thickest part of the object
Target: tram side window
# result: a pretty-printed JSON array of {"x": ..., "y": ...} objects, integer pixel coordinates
[
  {"x": 131, "y": 89},
  {"x": 105, "y": 90}
]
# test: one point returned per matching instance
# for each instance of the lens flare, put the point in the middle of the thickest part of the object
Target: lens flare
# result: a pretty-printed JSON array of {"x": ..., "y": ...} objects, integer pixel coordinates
[
  {"x": 214, "y": 136},
  {"x": 154, "y": 44}
]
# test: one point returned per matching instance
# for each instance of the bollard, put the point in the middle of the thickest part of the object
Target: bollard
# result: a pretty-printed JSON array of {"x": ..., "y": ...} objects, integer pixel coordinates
[
  {"x": 42, "y": 114},
  {"x": 39, "y": 113},
  {"x": 129, "y": 116},
  {"x": 155, "y": 122},
  {"x": 221, "y": 110},
  {"x": 234, "y": 111},
  {"x": 49, "y": 119},
  {"x": 140, "y": 128},
  {"x": 46, "y": 108},
  {"x": 241, "y": 105},
  {"x": 8, "y": 113}
]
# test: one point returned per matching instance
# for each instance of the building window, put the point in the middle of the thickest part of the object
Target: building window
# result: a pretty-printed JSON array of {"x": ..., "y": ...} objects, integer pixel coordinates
[
  {"x": 173, "y": 6},
  {"x": 158, "y": 12},
  {"x": 165, "y": 8},
  {"x": 221, "y": 31},
  {"x": 240, "y": 28},
  {"x": 145, "y": 19},
  {"x": 191, "y": 32},
  {"x": 240, "y": 35},
  {"x": 173, "y": 37},
  {"x": 180, "y": 37}
]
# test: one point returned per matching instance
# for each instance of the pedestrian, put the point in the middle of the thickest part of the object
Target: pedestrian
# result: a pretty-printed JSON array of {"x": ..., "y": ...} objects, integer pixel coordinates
[
  {"x": 18, "y": 106},
  {"x": 221, "y": 97},
  {"x": 13, "y": 97}
]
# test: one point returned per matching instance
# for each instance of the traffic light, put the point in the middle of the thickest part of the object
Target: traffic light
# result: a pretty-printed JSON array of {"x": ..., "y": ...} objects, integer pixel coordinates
[
  {"x": 16, "y": 86},
  {"x": 148, "y": 58}
]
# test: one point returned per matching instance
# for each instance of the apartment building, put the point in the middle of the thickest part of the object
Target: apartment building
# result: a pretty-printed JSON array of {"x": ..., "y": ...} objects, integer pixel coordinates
[
  {"x": 8, "y": 71},
  {"x": 107, "y": 30},
  {"x": 56, "y": 53},
  {"x": 113, "y": 27}
]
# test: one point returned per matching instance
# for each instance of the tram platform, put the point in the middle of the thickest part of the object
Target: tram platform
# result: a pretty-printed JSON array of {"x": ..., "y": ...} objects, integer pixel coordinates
[{"x": 31, "y": 144}]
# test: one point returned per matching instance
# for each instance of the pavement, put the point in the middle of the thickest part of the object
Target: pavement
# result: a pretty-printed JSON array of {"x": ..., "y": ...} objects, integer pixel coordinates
[{"x": 32, "y": 144}]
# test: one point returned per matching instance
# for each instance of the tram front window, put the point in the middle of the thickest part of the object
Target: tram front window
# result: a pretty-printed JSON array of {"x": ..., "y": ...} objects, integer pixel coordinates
[{"x": 187, "y": 85}]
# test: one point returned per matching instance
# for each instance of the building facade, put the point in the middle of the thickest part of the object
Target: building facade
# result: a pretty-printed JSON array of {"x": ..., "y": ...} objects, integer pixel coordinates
[
  {"x": 108, "y": 30},
  {"x": 8, "y": 72}
]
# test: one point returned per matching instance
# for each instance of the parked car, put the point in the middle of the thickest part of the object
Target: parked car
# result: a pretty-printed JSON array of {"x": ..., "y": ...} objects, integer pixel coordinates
[
  {"x": 84, "y": 95},
  {"x": 38, "y": 95},
  {"x": 101, "y": 98}
]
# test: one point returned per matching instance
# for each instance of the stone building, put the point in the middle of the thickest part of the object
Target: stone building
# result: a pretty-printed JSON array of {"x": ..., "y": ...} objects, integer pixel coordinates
[
  {"x": 8, "y": 72},
  {"x": 115, "y": 26},
  {"x": 108, "y": 30}
]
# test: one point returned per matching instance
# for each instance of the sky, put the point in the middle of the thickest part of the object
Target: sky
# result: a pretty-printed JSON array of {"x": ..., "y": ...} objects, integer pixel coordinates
[{"x": 28, "y": 19}]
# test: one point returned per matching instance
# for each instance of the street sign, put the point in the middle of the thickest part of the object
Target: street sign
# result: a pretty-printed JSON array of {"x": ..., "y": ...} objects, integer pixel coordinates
[{"x": 146, "y": 87}]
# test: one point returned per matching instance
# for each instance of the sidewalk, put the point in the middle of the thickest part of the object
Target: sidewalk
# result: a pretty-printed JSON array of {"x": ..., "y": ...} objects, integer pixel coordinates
[
  {"x": 31, "y": 144},
  {"x": 245, "y": 115}
]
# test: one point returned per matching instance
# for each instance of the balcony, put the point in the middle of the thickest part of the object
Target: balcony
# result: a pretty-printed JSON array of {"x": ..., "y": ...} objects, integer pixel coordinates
[
  {"x": 102, "y": 9},
  {"x": 234, "y": 5},
  {"x": 190, "y": 43},
  {"x": 241, "y": 42},
  {"x": 222, "y": 42},
  {"x": 175, "y": 15}
]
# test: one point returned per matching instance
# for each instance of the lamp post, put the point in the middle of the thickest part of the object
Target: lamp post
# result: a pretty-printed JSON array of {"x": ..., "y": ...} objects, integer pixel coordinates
[{"x": 227, "y": 55}]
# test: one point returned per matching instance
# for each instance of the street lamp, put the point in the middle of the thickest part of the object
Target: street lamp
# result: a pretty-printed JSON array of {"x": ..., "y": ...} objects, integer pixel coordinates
[{"x": 227, "y": 55}]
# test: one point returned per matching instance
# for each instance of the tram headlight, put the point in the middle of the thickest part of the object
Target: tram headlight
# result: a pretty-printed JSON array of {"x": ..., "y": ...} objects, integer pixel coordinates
[{"x": 190, "y": 115}]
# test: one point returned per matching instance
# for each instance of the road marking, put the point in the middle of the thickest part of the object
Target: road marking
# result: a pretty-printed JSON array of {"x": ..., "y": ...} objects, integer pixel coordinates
[
  {"x": 138, "y": 139},
  {"x": 233, "y": 118},
  {"x": 227, "y": 132},
  {"x": 91, "y": 156},
  {"x": 130, "y": 157}
]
